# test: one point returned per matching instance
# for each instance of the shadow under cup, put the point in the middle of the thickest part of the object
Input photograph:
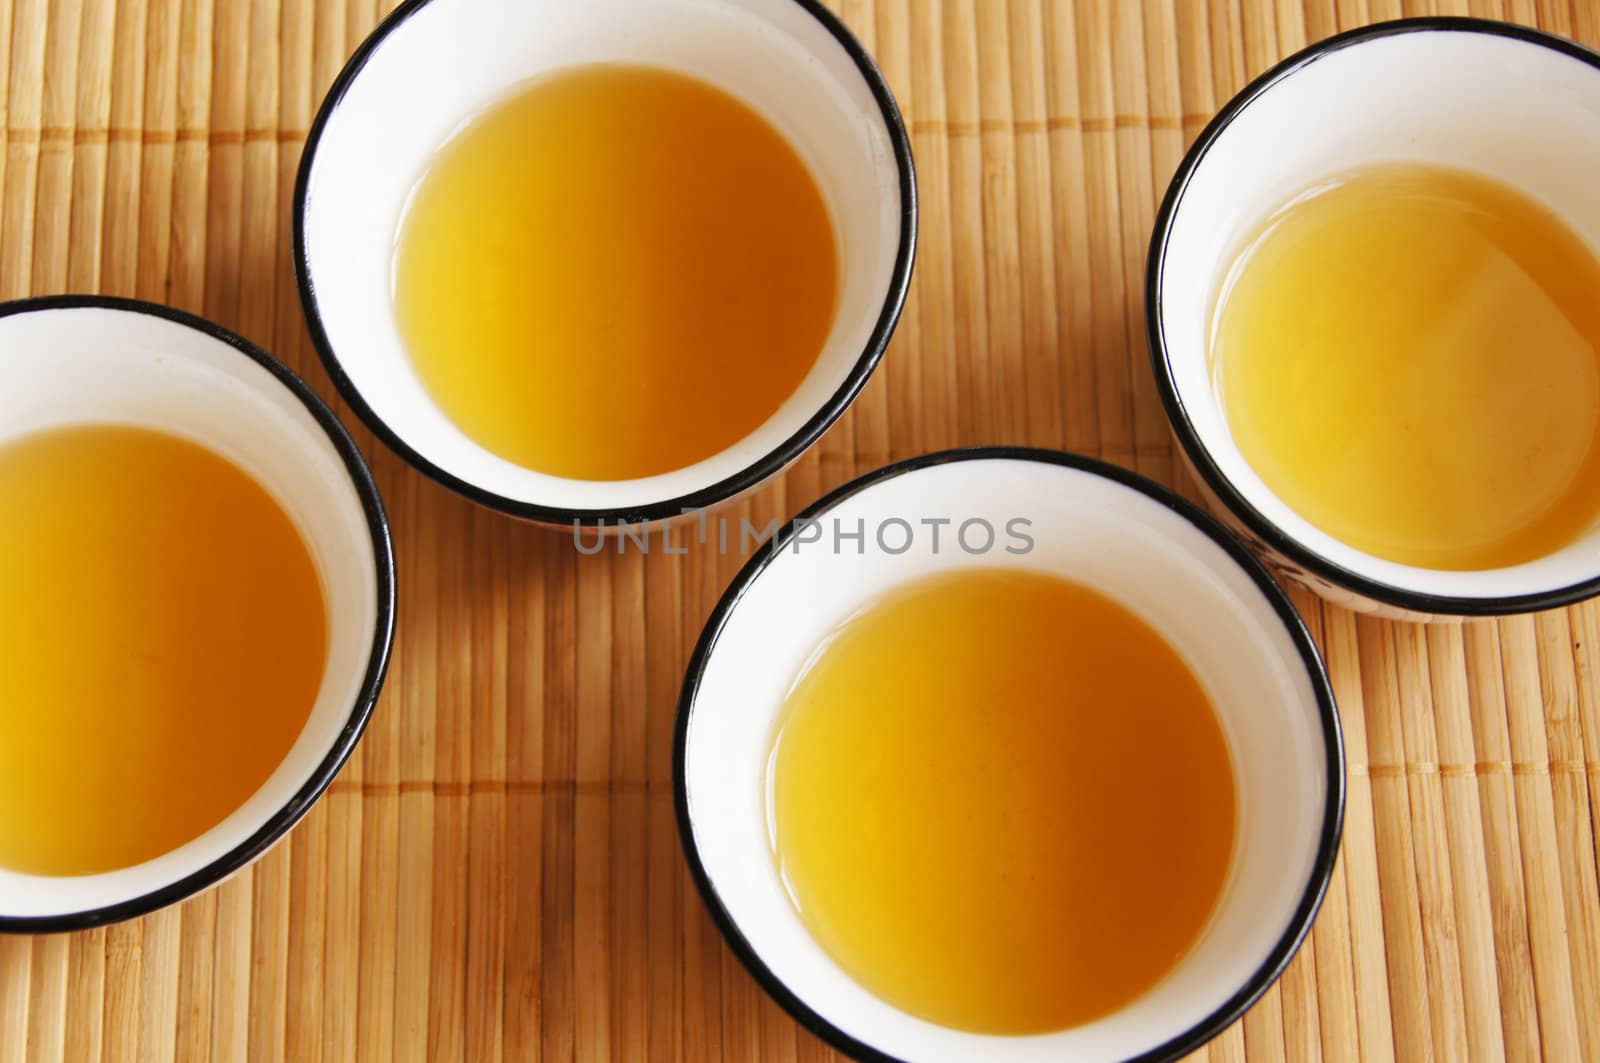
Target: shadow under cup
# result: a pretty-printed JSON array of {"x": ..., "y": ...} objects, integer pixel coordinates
[
  {"x": 89, "y": 360},
  {"x": 1099, "y": 525},
  {"x": 1509, "y": 103},
  {"x": 435, "y": 64}
]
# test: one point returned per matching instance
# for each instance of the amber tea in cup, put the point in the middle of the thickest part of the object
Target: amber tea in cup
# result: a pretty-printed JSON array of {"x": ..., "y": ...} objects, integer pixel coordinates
[
  {"x": 615, "y": 272},
  {"x": 1001, "y": 801},
  {"x": 1409, "y": 356},
  {"x": 163, "y": 636}
]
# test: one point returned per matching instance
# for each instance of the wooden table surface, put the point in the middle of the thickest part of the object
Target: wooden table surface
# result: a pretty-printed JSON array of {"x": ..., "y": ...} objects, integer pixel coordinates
[{"x": 497, "y": 873}]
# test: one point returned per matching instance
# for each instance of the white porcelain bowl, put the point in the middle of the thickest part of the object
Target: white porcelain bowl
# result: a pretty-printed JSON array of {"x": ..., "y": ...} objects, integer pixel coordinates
[
  {"x": 434, "y": 64},
  {"x": 1145, "y": 547},
  {"x": 88, "y": 360},
  {"x": 1508, "y": 102}
]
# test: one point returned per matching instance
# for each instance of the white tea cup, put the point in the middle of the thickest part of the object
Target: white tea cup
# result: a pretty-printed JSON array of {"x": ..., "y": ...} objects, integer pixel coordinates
[
  {"x": 1503, "y": 101},
  {"x": 434, "y": 64},
  {"x": 1048, "y": 512},
  {"x": 90, "y": 360}
]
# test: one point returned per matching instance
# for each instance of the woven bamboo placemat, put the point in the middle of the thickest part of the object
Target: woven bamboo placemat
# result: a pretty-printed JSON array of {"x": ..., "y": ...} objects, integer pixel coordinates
[{"x": 496, "y": 873}]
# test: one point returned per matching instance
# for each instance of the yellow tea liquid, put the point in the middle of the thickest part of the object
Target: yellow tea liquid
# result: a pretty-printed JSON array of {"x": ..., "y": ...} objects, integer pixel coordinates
[
  {"x": 1409, "y": 357},
  {"x": 1001, "y": 802},
  {"x": 162, "y": 640},
  {"x": 617, "y": 272}
]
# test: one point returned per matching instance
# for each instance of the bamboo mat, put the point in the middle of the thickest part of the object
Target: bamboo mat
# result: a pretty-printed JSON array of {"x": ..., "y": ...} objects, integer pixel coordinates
[{"x": 496, "y": 873}]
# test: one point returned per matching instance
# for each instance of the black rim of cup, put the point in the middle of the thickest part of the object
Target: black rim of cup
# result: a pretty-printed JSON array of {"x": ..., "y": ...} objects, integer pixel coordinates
[
  {"x": 1255, "y": 523},
  {"x": 1333, "y": 813},
  {"x": 749, "y": 477},
  {"x": 279, "y": 824}
]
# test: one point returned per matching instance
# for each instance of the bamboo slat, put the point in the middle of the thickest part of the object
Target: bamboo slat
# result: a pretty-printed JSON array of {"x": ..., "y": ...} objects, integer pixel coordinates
[{"x": 496, "y": 874}]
